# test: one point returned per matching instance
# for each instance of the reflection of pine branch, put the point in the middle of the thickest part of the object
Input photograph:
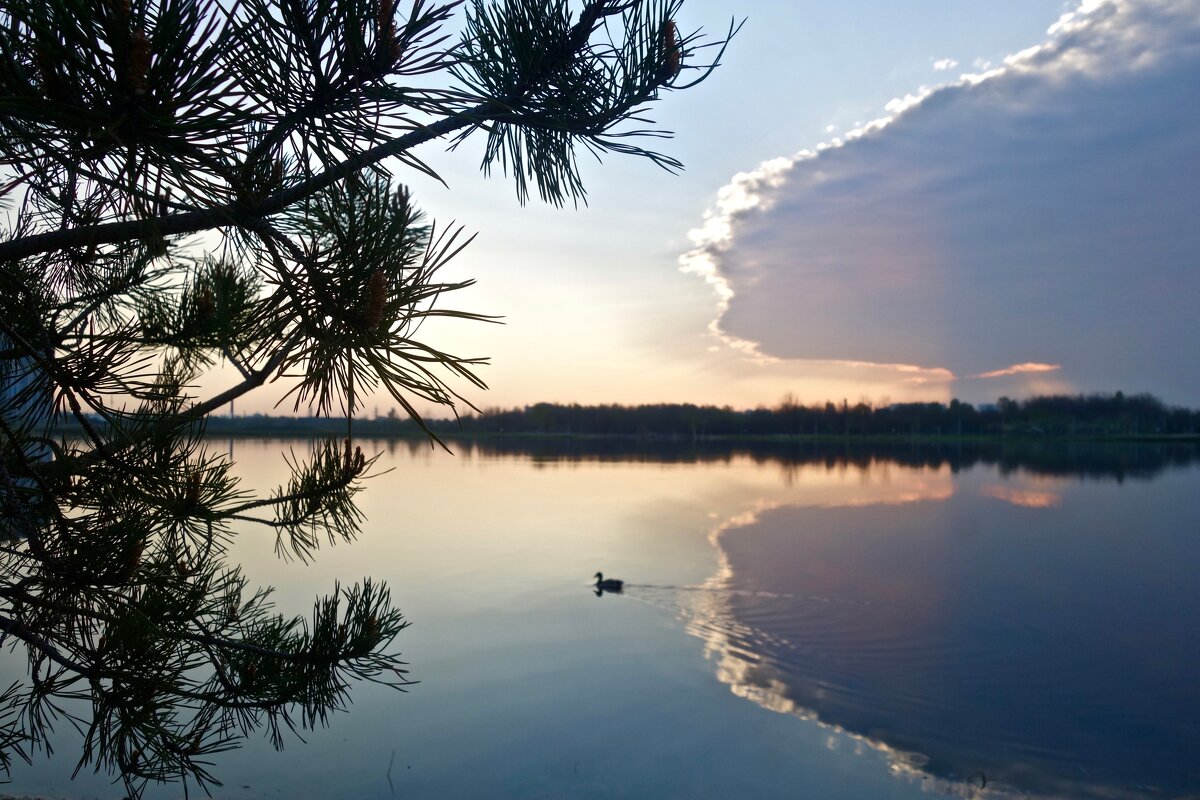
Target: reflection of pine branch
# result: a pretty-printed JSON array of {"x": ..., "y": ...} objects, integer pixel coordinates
[
  {"x": 273, "y": 128},
  {"x": 44, "y": 645}
]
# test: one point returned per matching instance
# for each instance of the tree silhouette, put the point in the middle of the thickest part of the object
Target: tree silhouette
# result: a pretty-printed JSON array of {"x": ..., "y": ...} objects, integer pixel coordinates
[{"x": 273, "y": 128}]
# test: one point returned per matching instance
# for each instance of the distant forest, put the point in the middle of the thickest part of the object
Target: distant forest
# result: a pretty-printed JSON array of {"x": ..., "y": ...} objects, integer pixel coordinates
[{"x": 1058, "y": 416}]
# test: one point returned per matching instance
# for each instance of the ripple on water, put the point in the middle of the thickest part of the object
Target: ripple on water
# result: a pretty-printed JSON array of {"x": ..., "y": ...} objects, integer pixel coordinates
[{"x": 934, "y": 647}]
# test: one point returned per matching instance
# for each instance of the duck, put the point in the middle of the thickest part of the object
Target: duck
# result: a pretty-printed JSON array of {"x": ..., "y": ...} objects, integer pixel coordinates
[{"x": 608, "y": 584}]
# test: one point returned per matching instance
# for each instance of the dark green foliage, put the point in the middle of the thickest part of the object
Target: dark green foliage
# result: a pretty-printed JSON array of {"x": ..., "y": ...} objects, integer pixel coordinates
[
  {"x": 1095, "y": 416},
  {"x": 272, "y": 127},
  {"x": 520, "y": 55}
]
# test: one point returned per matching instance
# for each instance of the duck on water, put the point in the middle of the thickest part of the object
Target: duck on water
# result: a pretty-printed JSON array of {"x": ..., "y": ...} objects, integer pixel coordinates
[{"x": 608, "y": 584}]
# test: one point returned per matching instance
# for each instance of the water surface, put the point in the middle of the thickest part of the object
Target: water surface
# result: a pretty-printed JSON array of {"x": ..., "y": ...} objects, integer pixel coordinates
[{"x": 833, "y": 623}]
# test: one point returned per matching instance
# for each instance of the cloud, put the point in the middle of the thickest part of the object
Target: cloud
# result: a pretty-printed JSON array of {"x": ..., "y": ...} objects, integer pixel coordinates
[
  {"x": 1019, "y": 369},
  {"x": 1039, "y": 213},
  {"x": 943, "y": 64}
]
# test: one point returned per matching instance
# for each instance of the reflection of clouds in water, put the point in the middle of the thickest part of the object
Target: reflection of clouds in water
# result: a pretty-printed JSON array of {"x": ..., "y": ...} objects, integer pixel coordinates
[
  {"x": 875, "y": 485},
  {"x": 728, "y": 643},
  {"x": 918, "y": 494},
  {"x": 1026, "y": 498},
  {"x": 752, "y": 657},
  {"x": 708, "y": 616}
]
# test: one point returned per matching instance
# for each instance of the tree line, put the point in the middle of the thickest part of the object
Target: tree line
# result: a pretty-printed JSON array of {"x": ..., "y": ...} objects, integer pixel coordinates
[{"x": 1061, "y": 416}]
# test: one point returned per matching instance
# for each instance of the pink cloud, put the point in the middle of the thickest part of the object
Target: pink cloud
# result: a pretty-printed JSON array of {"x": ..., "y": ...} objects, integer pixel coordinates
[{"x": 1020, "y": 369}]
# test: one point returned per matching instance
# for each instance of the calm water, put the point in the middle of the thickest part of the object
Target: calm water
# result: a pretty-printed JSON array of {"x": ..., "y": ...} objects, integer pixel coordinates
[{"x": 804, "y": 624}]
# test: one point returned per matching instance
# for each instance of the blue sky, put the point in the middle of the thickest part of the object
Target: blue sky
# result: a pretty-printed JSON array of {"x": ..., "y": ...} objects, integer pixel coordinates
[{"x": 1023, "y": 230}]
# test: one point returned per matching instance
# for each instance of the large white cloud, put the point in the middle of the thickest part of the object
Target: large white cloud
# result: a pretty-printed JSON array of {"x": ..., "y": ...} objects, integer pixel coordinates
[{"x": 1044, "y": 213}]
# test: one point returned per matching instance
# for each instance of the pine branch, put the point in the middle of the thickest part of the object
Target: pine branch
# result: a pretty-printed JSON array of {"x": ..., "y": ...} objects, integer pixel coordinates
[
  {"x": 131, "y": 124},
  {"x": 240, "y": 214}
]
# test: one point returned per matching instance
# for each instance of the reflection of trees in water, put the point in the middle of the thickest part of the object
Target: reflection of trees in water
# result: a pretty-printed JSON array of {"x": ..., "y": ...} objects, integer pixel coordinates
[
  {"x": 140, "y": 634},
  {"x": 1098, "y": 460}
]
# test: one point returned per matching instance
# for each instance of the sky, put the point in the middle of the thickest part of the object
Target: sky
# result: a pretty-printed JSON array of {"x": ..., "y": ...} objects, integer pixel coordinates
[{"x": 881, "y": 201}]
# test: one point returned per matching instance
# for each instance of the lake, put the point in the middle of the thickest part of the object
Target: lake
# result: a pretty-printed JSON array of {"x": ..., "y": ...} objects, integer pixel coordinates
[{"x": 797, "y": 622}]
